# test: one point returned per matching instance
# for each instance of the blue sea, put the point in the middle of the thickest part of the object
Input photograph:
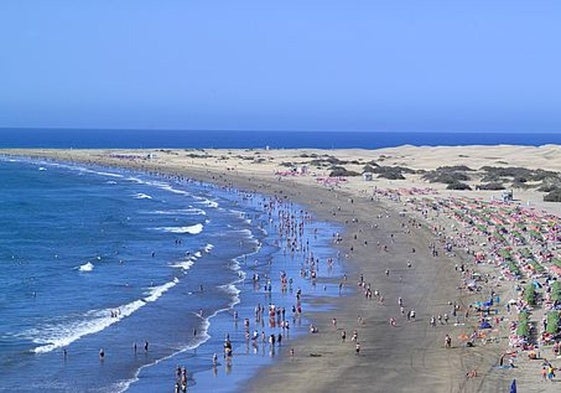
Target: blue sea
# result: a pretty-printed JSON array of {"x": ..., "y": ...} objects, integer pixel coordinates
[
  {"x": 76, "y": 138},
  {"x": 107, "y": 260}
]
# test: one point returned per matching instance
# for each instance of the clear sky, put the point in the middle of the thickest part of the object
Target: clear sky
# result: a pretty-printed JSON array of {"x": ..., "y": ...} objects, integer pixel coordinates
[{"x": 396, "y": 65}]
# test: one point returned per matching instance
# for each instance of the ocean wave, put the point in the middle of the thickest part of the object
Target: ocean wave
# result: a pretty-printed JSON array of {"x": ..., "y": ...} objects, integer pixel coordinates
[
  {"x": 135, "y": 180},
  {"x": 59, "y": 335},
  {"x": 190, "y": 211},
  {"x": 203, "y": 337},
  {"x": 109, "y": 174},
  {"x": 245, "y": 232},
  {"x": 207, "y": 202},
  {"x": 86, "y": 267},
  {"x": 231, "y": 290},
  {"x": 241, "y": 215},
  {"x": 156, "y": 292},
  {"x": 192, "y": 229},
  {"x": 185, "y": 265},
  {"x": 169, "y": 188},
  {"x": 83, "y": 169},
  {"x": 141, "y": 195}
]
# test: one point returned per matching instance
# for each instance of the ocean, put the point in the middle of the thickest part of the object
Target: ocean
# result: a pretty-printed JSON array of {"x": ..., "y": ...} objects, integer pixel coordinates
[
  {"x": 76, "y": 138},
  {"x": 154, "y": 272}
]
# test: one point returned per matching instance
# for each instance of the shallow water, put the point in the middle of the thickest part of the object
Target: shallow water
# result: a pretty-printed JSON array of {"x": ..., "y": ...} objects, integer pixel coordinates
[{"x": 100, "y": 258}]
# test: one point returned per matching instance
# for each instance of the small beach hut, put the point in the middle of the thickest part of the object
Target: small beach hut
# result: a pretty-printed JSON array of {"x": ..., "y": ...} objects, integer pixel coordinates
[{"x": 507, "y": 196}]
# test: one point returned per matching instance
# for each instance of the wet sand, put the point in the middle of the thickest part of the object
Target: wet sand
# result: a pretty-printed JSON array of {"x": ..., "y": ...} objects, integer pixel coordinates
[{"x": 380, "y": 234}]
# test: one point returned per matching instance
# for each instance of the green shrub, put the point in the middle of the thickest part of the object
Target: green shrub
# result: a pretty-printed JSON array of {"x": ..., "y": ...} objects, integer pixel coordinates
[
  {"x": 339, "y": 171},
  {"x": 523, "y": 329},
  {"x": 552, "y": 322},
  {"x": 556, "y": 291},
  {"x": 456, "y": 185},
  {"x": 553, "y": 196},
  {"x": 530, "y": 294},
  {"x": 492, "y": 186}
]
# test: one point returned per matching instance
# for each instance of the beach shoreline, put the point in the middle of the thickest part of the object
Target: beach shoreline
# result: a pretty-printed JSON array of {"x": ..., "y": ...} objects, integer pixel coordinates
[{"x": 382, "y": 232}]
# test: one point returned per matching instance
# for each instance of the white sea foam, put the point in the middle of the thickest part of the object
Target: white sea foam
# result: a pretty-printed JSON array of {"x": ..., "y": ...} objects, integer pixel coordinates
[
  {"x": 141, "y": 195},
  {"x": 207, "y": 202},
  {"x": 86, "y": 267},
  {"x": 59, "y": 335},
  {"x": 185, "y": 265},
  {"x": 208, "y": 247},
  {"x": 135, "y": 180},
  {"x": 198, "y": 254},
  {"x": 192, "y": 229},
  {"x": 246, "y": 232},
  {"x": 157, "y": 292},
  {"x": 190, "y": 211},
  {"x": 231, "y": 290},
  {"x": 87, "y": 170},
  {"x": 203, "y": 337},
  {"x": 169, "y": 188},
  {"x": 109, "y": 174}
]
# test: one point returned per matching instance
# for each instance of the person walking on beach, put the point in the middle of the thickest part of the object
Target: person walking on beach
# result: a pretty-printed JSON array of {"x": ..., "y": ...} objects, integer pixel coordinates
[
  {"x": 357, "y": 348},
  {"x": 448, "y": 341},
  {"x": 432, "y": 321},
  {"x": 550, "y": 373}
]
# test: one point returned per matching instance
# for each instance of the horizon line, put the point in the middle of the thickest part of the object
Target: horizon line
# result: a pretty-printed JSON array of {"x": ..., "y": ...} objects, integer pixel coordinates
[{"x": 38, "y": 128}]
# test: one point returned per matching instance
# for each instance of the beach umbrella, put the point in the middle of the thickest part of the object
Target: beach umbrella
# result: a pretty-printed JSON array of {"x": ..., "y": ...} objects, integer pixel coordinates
[{"x": 513, "y": 386}]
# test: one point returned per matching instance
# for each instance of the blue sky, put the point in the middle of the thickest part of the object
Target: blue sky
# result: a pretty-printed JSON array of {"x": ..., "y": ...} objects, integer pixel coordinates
[{"x": 397, "y": 65}]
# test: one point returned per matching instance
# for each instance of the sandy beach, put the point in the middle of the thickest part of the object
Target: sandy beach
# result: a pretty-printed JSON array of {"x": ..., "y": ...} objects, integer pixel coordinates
[{"x": 410, "y": 244}]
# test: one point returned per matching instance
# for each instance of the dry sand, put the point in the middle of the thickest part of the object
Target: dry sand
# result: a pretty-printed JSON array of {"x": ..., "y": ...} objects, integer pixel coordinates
[{"x": 411, "y": 356}]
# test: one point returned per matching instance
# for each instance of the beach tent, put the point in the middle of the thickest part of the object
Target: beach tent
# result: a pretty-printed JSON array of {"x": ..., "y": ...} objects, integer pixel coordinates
[{"x": 485, "y": 325}]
